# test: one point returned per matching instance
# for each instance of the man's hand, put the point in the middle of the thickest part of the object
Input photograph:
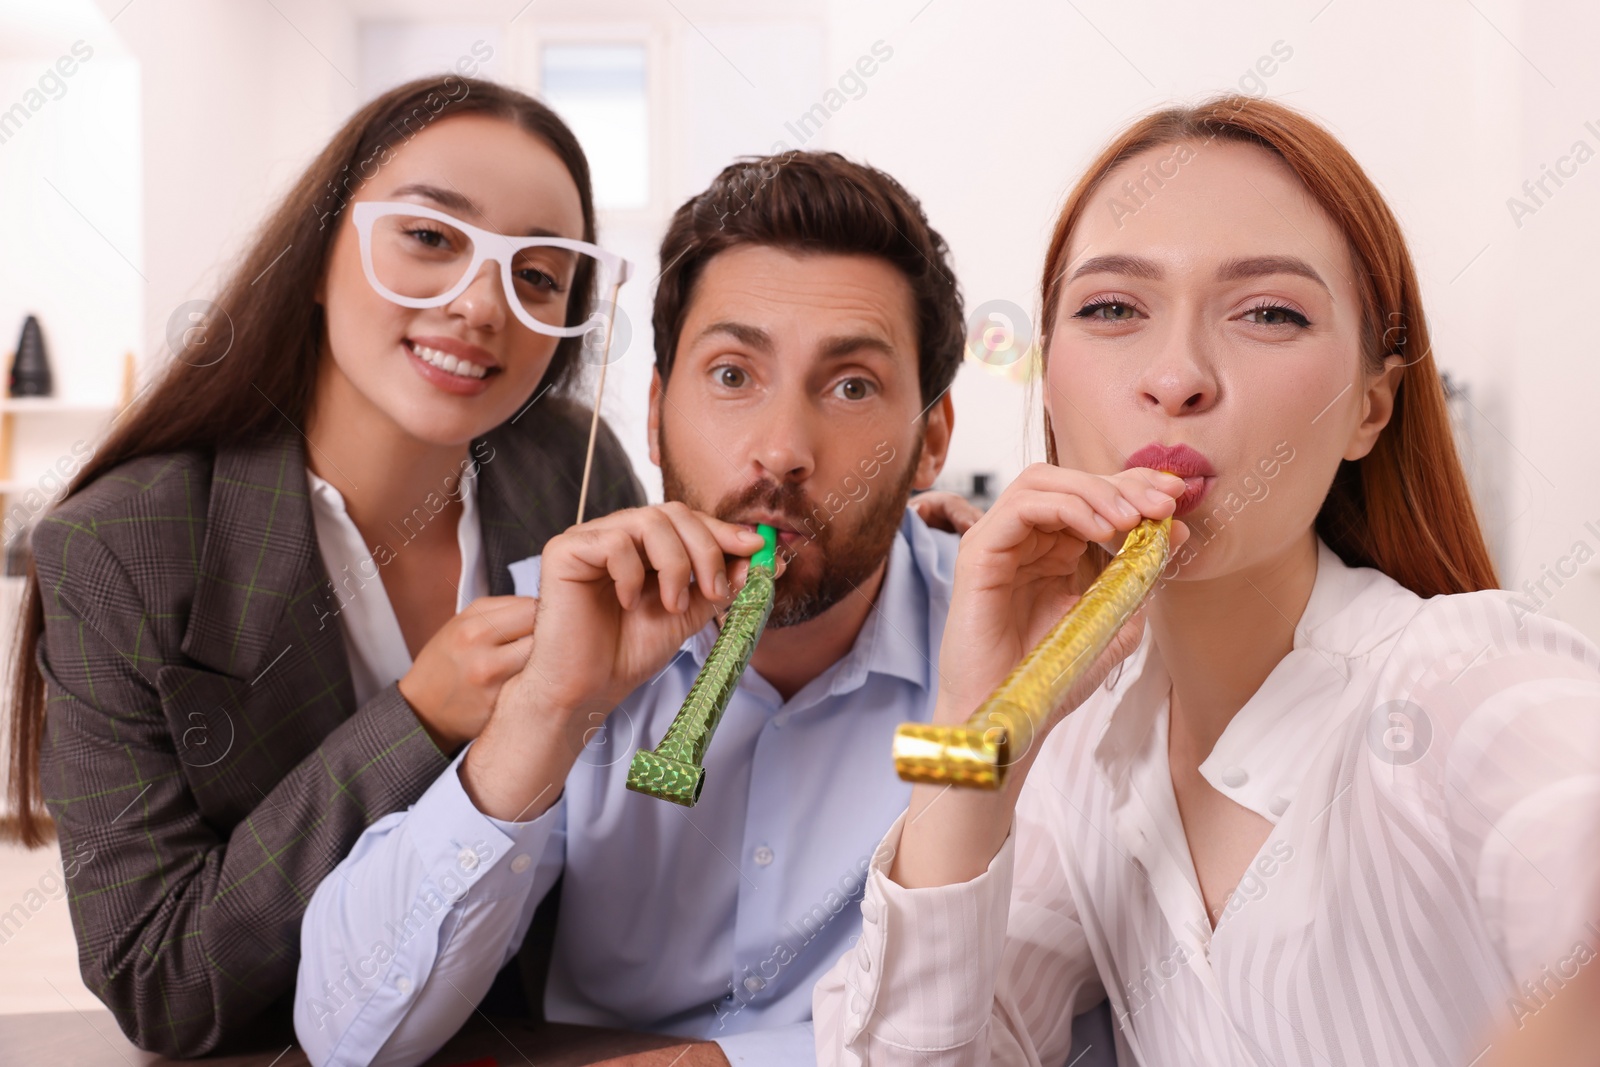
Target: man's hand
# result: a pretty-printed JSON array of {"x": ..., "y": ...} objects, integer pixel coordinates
[
  {"x": 950, "y": 512},
  {"x": 617, "y": 597},
  {"x": 698, "y": 1054}
]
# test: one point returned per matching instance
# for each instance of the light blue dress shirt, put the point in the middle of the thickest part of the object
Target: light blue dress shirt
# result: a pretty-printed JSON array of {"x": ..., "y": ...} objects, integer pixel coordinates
[{"x": 708, "y": 922}]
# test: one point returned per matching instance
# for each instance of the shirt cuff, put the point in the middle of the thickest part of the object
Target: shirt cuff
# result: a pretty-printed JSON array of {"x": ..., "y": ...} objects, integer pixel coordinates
[
  {"x": 924, "y": 973},
  {"x": 456, "y": 840},
  {"x": 781, "y": 1046},
  {"x": 525, "y": 575}
]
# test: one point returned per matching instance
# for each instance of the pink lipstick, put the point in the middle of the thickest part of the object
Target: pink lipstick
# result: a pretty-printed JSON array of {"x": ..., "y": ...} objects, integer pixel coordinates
[{"x": 1196, "y": 471}]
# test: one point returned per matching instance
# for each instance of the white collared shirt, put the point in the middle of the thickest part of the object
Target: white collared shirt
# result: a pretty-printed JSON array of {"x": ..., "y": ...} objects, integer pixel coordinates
[
  {"x": 373, "y": 640},
  {"x": 1431, "y": 769}
]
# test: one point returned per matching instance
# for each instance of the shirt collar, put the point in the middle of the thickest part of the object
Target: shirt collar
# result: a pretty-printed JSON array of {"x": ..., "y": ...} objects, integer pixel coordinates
[
  {"x": 328, "y": 503},
  {"x": 1265, "y": 750},
  {"x": 469, "y": 538},
  {"x": 894, "y": 639}
]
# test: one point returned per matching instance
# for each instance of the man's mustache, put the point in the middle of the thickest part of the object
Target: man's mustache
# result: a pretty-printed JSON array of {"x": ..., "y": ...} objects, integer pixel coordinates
[{"x": 788, "y": 503}]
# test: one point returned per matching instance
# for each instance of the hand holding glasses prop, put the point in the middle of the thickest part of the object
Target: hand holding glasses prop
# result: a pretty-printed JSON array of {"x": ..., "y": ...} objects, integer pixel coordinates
[{"x": 418, "y": 257}]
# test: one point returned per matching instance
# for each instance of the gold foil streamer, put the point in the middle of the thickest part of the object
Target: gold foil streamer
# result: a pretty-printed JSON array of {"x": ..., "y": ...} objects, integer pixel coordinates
[{"x": 977, "y": 754}]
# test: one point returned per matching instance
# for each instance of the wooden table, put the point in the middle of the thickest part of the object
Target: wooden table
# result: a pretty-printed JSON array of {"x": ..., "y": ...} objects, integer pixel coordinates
[{"x": 91, "y": 1039}]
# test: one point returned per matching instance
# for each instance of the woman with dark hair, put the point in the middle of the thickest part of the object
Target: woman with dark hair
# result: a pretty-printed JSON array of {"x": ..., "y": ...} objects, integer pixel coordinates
[
  {"x": 249, "y": 634},
  {"x": 1337, "y": 802}
]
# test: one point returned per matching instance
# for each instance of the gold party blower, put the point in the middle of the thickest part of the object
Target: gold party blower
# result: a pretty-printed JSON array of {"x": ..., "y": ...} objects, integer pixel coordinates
[{"x": 977, "y": 754}]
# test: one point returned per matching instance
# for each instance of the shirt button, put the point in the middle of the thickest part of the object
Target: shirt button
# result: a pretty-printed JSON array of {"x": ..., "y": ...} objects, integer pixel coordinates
[
  {"x": 520, "y": 864},
  {"x": 754, "y": 984},
  {"x": 1279, "y": 805},
  {"x": 869, "y": 911},
  {"x": 858, "y": 1003},
  {"x": 865, "y": 961},
  {"x": 404, "y": 985},
  {"x": 1234, "y": 777},
  {"x": 467, "y": 859},
  {"x": 763, "y": 856}
]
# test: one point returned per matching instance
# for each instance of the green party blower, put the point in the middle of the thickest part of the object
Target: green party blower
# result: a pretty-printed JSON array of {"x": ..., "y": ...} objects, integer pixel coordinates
[{"x": 672, "y": 771}]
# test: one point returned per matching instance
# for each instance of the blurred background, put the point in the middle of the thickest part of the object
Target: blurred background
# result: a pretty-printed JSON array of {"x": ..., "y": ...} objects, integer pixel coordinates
[{"x": 142, "y": 141}]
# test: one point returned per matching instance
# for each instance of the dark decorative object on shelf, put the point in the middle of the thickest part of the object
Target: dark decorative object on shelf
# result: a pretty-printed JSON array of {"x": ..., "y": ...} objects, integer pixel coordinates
[{"x": 30, "y": 370}]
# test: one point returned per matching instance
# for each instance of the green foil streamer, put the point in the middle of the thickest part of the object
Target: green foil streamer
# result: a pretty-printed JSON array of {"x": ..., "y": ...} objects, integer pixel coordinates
[{"x": 672, "y": 771}]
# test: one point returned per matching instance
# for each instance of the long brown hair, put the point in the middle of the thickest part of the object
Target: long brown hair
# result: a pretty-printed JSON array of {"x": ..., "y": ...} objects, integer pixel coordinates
[
  {"x": 1403, "y": 508},
  {"x": 268, "y": 373}
]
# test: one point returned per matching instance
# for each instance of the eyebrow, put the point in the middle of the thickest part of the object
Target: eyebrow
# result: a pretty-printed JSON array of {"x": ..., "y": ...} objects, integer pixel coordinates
[
  {"x": 849, "y": 345},
  {"x": 448, "y": 198},
  {"x": 832, "y": 348},
  {"x": 1232, "y": 271},
  {"x": 1260, "y": 266},
  {"x": 1132, "y": 266},
  {"x": 753, "y": 336},
  {"x": 452, "y": 200}
]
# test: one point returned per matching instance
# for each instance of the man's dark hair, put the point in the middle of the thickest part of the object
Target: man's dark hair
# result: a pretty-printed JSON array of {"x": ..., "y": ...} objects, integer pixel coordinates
[{"x": 815, "y": 202}]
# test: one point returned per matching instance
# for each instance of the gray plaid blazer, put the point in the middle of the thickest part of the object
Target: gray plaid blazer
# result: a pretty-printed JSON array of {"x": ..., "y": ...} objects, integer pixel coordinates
[{"x": 204, "y": 758}]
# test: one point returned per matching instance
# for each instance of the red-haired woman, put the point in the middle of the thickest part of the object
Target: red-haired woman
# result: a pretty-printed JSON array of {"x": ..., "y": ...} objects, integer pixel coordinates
[
  {"x": 250, "y": 634},
  {"x": 1335, "y": 805}
]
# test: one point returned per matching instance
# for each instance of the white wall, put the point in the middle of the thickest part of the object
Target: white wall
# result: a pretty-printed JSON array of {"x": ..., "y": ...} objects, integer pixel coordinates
[
  {"x": 988, "y": 111},
  {"x": 1542, "y": 333},
  {"x": 237, "y": 98},
  {"x": 70, "y": 195},
  {"x": 990, "y": 114}
]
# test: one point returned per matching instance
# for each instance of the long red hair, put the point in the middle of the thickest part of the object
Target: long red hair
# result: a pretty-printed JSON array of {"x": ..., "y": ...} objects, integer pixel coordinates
[{"x": 1404, "y": 508}]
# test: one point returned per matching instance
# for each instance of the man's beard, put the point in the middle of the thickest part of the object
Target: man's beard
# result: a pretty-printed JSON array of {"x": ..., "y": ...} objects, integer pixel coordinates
[{"x": 838, "y": 550}]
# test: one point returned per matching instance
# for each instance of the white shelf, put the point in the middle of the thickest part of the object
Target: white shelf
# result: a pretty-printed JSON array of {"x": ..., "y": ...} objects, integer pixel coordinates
[
  {"x": 51, "y": 405},
  {"x": 12, "y": 487}
]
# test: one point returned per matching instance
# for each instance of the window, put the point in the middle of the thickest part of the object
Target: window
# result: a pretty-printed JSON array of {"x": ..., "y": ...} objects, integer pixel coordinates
[{"x": 600, "y": 90}]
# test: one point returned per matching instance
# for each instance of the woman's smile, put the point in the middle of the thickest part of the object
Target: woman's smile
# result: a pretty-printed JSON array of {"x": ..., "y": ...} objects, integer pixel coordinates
[{"x": 454, "y": 367}]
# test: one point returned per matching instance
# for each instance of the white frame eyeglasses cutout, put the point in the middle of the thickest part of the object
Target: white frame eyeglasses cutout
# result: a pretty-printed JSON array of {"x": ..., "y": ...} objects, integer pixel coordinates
[{"x": 499, "y": 247}]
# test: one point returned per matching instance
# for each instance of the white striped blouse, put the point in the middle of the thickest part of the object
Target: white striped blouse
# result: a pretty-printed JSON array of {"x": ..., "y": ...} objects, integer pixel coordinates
[{"x": 1432, "y": 771}]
